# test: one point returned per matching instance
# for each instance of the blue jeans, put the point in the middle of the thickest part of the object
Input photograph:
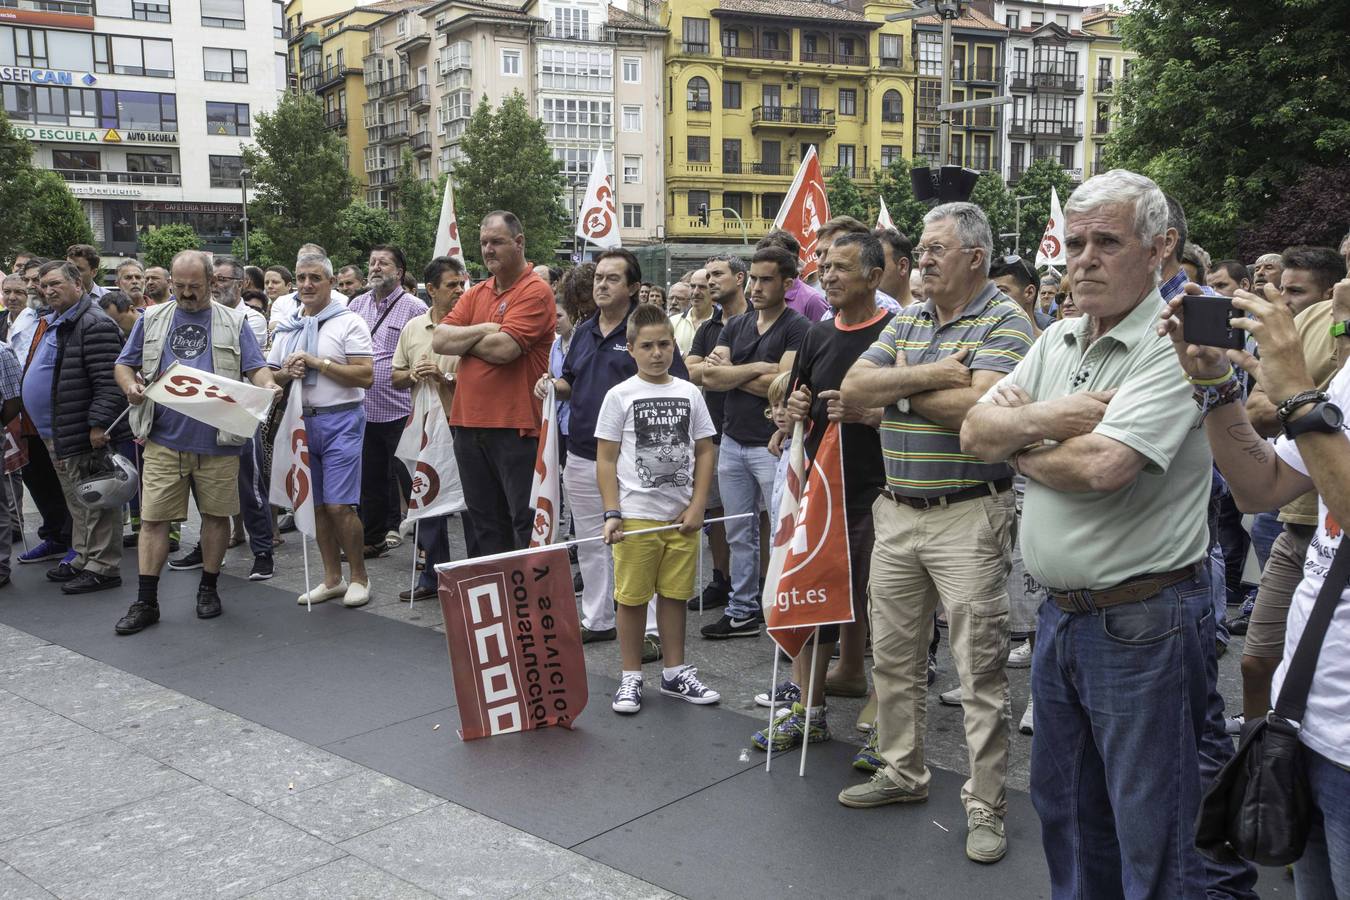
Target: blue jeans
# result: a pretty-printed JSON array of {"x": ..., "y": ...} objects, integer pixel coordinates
[
  {"x": 432, "y": 537},
  {"x": 1266, "y": 527},
  {"x": 745, "y": 476},
  {"x": 1127, "y": 729},
  {"x": 1324, "y": 871}
]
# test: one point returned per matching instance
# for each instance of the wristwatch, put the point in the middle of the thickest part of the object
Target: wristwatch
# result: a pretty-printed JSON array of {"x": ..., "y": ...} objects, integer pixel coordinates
[
  {"x": 1340, "y": 329},
  {"x": 1325, "y": 417},
  {"x": 613, "y": 514},
  {"x": 1286, "y": 409}
]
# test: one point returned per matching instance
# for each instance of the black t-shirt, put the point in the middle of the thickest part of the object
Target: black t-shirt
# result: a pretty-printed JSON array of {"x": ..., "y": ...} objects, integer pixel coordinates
[
  {"x": 829, "y": 350},
  {"x": 744, "y": 420},
  {"x": 705, "y": 341}
]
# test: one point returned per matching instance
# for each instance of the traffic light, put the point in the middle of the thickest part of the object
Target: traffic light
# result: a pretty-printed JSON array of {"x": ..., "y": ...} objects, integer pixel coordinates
[
  {"x": 703, "y": 214},
  {"x": 948, "y": 184}
]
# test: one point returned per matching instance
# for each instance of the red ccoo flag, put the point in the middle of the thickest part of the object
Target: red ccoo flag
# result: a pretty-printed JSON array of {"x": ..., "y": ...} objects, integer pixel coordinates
[{"x": 805, "y": 208}]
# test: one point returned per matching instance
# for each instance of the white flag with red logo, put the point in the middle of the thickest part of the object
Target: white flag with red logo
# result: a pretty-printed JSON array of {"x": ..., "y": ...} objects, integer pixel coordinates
[
  {"x": 16, "y": 448},
  {"x": 884, "y": 215},
  {"x": 427, "y": 449},
  {"x": 597, "y": 220},
  {"x": 447, "y": 229},
  {"x": 234, "y": 407},
  {"x": 809, "y": 582},
  {"x": 545, "y": 498},
  {"x": 805, "y": 208},
  {"x": 1051, "y": 250},
  {"x": 292, "y": 482}
]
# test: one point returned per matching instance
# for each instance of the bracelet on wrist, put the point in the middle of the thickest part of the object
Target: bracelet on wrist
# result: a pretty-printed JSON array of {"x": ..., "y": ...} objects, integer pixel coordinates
[
  {"x": 613, "y": 514},
  {"x": 1209, "y": 397},
  {"x": 1210, "y": 382}
]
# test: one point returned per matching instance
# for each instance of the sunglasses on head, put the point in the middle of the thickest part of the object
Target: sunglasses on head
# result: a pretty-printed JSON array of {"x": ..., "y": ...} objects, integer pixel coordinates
[{"x": 1013, "y": 261}]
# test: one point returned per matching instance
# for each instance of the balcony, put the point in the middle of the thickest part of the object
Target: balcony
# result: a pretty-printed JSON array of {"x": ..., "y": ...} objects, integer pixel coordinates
[
  {"x": 420, "y": 97},
  {"x": 989, "y": 164},
  {"x": 457, "y": 78},
  {"x": 336, "y": 119},
  {"x": 421, "y": 143},
  {"x": 792, "y": 117},
  {"x": 746, "y": 167},
  {"x": 850, "y": 171},
  {"x": 315, "y": 80},
  {"x": 380, "y": 177},
  {"x": 699, "y": 105},
  {"x": 86, "y": 176},
  {"x": 770, "y": 53},
  {"x": 976, "y": 118},
  {"x": 693, "y": 49},
  {"x": 1044, "y": 128},
  {"x": 1057, "y": 81},
  {"x": 830, "y": 58},
  {"x": 387, "y": 132},
  {"x": 446, "y": 66},
  {"x": 573, "y": 32},
  {"x": 1101, "y": 126},
  {"x": 1105, "y": 85},
  {"x": 726, "y": 224},
  {"x": 392, "y": 87}
]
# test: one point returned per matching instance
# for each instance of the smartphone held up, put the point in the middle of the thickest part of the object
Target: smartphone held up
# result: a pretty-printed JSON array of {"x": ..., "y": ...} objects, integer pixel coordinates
[{"x": 1206, "y": 320}]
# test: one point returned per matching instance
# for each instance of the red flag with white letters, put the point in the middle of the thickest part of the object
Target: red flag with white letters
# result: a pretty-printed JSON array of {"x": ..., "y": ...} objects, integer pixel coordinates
[
  {"x": 809, "y": 582},
  {"x": 805, "y": 208}
]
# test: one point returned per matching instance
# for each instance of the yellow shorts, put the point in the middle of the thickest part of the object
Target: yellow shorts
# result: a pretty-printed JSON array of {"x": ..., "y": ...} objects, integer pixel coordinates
[
  {"x": 662, "y": 563},
  {"x": 167, "y": 474}
]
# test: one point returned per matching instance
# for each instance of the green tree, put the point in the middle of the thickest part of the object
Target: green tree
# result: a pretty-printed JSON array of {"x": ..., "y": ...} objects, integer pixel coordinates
[
  {"x": 845, "y": 198},
  {"x": 53, "y": 218},
  {"x": 365, "y": 227},
  {"x": 300, "y": 177},
  {"x": 262, "y": 250},
  {"x": 508, "y": 165},
  {"x": 16, "y": 172},
  {"x": 991, "y": 196},
  {"x": 1225, "y": 109},
  {"x": 1035, "y": 183},
  {"x": 419, "y": 208},
  {"x": 907, "y": 211},
  {"x": 163, "y": 244}
]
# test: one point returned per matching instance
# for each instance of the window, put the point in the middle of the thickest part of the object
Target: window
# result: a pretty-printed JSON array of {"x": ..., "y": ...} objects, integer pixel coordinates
[
  {"x": 511, "y": 63},
  {"x": 278, "y": 19},
  {"x": 401, "y": 26},
  {"x": 280, "y": 71},
  {"x": 731, "y": 95},
  {"x": 890, "y": 50},
  {"x": 576, "y": 162},
  {"x": 770, "y": 157},
  {"x": 957, "y": 153},
  {"x": 731, "y": 41},
  {"x": 1066, "y": 156},
  {"x": 1037, "y": 19},
  {"x": 76, "y": 160},
  {"x": 1019, "y": 111},
  {"x": 227, "y": 118},
  {"x": 1017, "y": 158},
  {"x": 981, "y": 153},
  {"x": 697, "y": 95},
  {"x": 731, "y": 155},
  {"x": 1014, "y": 20},
  {"x": 770, "y": 204},
  {"x": 698, "y": 149},
  {"x": 573, "y": 120},
  {"x": 139, "y": 110},
  {"x": 1071, "y": 62},
  {"x": 142, "y": 10},
  {"x": 695, "y": 35},
  {"x": 571, "y": 23},
  {"x": 697, "y": 199},
  {"x": 889, "y": 154},
  {"x": 152, "y": 163},
  {"x": 632, "y": 72},
  {"x": 772, "y": 95},
  {"x": 734, "y": 201},
  {"x": 632, "y": 118},
  {"x": 1020, "y": 62},
  {"x": 847, "y": 50},
  {"x": 632, "y": 215},
  {"x": 930, "y": 53},
  {"x": 225, "y": 65},
  {"x": 930, "y": 143},
  {"x": 225, "y": 171},
  {"x": 848, "y": 102},
  {"x": 930, "y": 95},
  {"x": 1062, "y": 20},
  {"x": 632, "y": 169},
  {"x": 848, "y": 155},
  {"x": 576, "y": 70},
  {"x": 223, "y": 13},
  {"x": 892, "y": 107}
]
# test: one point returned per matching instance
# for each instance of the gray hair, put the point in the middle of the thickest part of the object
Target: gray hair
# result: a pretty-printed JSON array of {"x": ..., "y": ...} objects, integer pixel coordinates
[
  {"x": 1268, "y": 258},
  {"x": 315, "y": 259},
  {"x": 1124, "y": 186},
  {"x": 200, "y": 257},
  {"x": 128, "y": 263},
  {"x": 15, "y": 277},
  {"x": 972, "y": 227},
  {"x": 1196, "y": 256},
  {"x": 236, "y": 267},
  {"x": 65, "y": 267}
]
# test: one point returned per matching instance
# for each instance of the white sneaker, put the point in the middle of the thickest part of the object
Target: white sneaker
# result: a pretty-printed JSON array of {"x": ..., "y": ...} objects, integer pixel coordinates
[
  {"x": 950, "y": 698},
  {"x": 1025, "y": 725},
  {"x": 358, "y": 594},
  {"x": 321, "y": 593},
  {"x": 405, "y": 527},
  {"x": 1020, "y": 656},
  {"x": 1232, "y": 726},
  {"x": 393, "y": 539}
]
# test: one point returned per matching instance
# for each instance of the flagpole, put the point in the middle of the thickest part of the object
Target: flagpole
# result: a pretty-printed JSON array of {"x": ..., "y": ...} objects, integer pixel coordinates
[
  {"x": 304, "y": 552},
  {"x": 810, "y": 692},
  {"x": 18, "y": 513},
  {"x": 773, "y": 695},
  {"x": 412, "y": 584},
  {"x": 698, "y": 582}
]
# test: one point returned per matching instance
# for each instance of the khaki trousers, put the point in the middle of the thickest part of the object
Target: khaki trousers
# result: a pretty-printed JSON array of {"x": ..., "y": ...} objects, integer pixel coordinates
[
  {"x": 95, "y": 534},
  {"x": 962, "y": 554}
]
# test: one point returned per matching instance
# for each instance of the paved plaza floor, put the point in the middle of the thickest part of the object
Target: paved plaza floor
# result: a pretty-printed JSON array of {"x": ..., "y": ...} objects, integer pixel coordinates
[{"x": 275, "y": 752}]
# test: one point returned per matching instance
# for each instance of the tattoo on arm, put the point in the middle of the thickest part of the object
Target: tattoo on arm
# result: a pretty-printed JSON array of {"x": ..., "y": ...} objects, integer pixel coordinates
[{"x": 1255, "y": 446}]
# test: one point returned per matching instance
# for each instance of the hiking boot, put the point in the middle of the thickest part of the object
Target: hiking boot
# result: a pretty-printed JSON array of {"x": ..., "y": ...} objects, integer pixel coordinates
[
  {"x": 139, "y": 617},
  {"x": 208, "y": 603},
  {"x": 628, "y": 698},
  {"x": 985, "y": 840},
  {"x": 790, "y": 730},
  {"x": 190, "y": 560},
  {"x": 880, "y": 791},
  {"x": 868, "y": 759}
]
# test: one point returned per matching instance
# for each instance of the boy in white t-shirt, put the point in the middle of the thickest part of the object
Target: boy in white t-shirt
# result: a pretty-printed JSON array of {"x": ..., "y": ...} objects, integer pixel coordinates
[{"x": 654, "y": 465}]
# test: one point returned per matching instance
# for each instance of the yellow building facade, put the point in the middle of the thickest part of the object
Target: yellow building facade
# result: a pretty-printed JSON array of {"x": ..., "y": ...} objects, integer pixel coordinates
[
  {"x": 751, "y": 85},
  {"x": 1109, "y": 65}
]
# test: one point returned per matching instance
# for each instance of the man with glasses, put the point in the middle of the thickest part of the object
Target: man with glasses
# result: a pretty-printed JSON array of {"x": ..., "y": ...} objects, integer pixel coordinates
[
  {"x": 181, "y": 453},
  {"x": 944, "y": 523},
  {"x": 1015, "y": 277}
]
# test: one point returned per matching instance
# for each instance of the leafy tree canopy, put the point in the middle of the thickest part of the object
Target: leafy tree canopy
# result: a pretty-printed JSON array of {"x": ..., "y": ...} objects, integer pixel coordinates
[
  {"x": 1036, "y": 182},
  {"x": 419, "y": 207},
  {"x": 53, "y": 219},
  {"x": 365, "y": 227},
  {"x": 846, "y": 199},
  {"x": 907, "y": 211},
  {"x": 163, "y": 244}
]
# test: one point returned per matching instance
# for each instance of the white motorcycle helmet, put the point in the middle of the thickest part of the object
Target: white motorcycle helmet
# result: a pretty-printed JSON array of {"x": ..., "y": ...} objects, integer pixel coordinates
[{"x": 111, "y": 483}]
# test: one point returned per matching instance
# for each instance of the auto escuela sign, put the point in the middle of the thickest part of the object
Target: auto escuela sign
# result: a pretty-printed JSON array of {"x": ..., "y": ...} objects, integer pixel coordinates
[{"x": 67, "y": 135}]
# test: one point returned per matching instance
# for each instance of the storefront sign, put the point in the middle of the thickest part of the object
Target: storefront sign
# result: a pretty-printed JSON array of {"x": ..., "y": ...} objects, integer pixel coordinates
[
  {"x": 175, "y": 206},
  {"x": 52, "y": 19},
  {"x": 66, "y": 135},
  {"x": 43, "y": 76},
  {"x": 103, "y": 190}
]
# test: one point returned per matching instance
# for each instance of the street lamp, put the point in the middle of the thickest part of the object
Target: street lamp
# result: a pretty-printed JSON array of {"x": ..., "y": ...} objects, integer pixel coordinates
[
  {"x": 243, "y": 190},
  {"x": 1017, "y": 244}
]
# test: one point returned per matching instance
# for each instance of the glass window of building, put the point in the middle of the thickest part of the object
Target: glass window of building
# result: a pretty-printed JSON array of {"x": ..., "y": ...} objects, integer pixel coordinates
[
  {"x": 225, "y": 171},
  {"x": 223, "y": 13},
  {"x": 221, "y": 64},
  {"x": 228, "y": 118}
]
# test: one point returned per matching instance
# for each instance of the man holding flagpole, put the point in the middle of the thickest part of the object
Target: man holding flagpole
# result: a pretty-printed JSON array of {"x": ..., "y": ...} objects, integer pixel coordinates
[{"x": 182, "y": 452}]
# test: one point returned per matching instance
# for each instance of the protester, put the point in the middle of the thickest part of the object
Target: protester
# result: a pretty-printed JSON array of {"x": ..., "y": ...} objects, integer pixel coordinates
[
  {"x": 332, "y": 366},
  {"x": 501, "y": 329},
  {"x": 944, "y": 525},
  {"x": 1096, "y": 418},
  {"x": 899, "y": 251},
  {"x": 119, "y": 307},
  {"x": 131, "y": 281},
  {"x": 551, "y": 274},
  {"x": 277, "y": 280},
  {"x": 256, "y": 301},
  {"x": 752, "y": 349},
  {"x": 656, "y": 296},
  {"x": 1267, "y": 270},
  {"x": 804, "y": 299},
  {"x": 254, "y": 279},
  {"x": 156, "y": 286},
  {"x": 30, "y": 279},
  {"x": 181, "y": 453},
  {"x": 85, "y": 259},
  {"x": 556, "y": 356},
  {"x": 1195, "y": 263},
  {"x": 698, "y": 308},
  {"x": 11, "y": 505},
  {"x": 1065, "y": 308},
  {"x": 1015, "y": 277},
  {"x": 654, "y": 458},
  {"x": 841, "y": 225},
  {"x": 72, "y": 399},
  {"x": 351, "y": 281},
  {"x": 1228, "y": 276},
  {"x": 286, "y": 306},
  {"x": 19, "y": 320},
  {"x": 679, "y": 301},
  {"x": 1049, "y": 290},
  {"x": 21, "y": 258}
]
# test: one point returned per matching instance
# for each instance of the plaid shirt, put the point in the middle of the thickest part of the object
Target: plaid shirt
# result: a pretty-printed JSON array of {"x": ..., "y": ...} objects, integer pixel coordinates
[
  {"x": 11, "y": 376},
  {"x": 384, "y": 402}
]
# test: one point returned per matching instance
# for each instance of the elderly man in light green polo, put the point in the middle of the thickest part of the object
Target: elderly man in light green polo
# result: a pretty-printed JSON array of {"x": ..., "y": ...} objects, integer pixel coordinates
[{"x": 1101, "y": 421}]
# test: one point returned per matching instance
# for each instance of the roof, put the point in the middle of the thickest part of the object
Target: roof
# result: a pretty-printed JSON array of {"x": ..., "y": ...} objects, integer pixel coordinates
[
  {"x": 620, "y": 18},
  {"x": 479, "y": 9},
  {"x": 794, "y": 9},
  {"x": 970, "y": 18},
  {"x": 1102, "y": 14},
  {"x": 1056, "y": 27}
]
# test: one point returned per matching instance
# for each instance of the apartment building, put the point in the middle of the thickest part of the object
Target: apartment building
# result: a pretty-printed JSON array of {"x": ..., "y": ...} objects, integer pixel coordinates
[
  {"x": 752, "y": 85},
  {"x": 1109, "y": 68},
  {"x": 397, "y": 69},
  {"x": 142, "y": 106},
  {"x": 979, "y": 47}
]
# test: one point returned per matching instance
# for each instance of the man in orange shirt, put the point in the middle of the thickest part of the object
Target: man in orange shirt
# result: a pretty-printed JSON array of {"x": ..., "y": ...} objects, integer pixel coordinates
[{"x": 502, "y": 330}]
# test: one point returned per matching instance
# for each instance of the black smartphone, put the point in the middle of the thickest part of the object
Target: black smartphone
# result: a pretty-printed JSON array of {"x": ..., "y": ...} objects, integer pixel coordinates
[{"x": 1206, "y": 322}]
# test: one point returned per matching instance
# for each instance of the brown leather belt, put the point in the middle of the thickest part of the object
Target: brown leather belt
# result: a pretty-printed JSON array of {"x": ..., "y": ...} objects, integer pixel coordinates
[
  {"x": 1132, "y": 591},
  {"x": 988, "y": 489}
]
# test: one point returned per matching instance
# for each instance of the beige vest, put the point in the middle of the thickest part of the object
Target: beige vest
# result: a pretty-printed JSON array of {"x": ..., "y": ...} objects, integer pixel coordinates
[{"x": 225, "y": 357}]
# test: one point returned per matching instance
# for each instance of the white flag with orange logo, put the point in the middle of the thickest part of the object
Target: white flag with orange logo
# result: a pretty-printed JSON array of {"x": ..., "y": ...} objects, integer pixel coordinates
[
  {"x": 292, "y": 482},
  {"x": 809, "y": 582},
  {"x": 234, "y": 407},
  {"x": 597, "y": 220},
  {"x": 884, "y": 215},
  {"x": 1051, "y": 250},
  {"x": 805, "y": 208},
  {"x": 447, "y": 229},
  {"x": 427, "y": 449},
  {"x": 545, "y": 497}
]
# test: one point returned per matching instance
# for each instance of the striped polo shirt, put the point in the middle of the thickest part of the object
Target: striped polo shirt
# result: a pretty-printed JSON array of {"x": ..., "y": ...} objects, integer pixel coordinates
[{"x": 923, "y": 458}]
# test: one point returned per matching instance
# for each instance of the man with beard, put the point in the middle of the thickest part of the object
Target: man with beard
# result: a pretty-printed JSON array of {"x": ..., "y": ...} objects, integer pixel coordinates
[
  {"x": 131, "y": 281},
  {"x": 156, "y": 285},
  {"x": 386, "y": 308}
]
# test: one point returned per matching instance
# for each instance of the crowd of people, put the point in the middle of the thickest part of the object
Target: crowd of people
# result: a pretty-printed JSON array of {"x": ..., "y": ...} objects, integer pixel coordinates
[{"x": 1030, "y": 459}]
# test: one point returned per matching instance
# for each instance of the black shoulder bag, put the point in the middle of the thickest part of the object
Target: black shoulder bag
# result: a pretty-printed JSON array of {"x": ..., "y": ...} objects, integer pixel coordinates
[{"x": 1259, "y": 806}]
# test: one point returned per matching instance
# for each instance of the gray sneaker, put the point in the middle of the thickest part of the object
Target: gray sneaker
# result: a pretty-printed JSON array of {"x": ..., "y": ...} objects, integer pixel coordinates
[
  {"x": 985, "y": 840},
  {"x": 880, "y": 791}
]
